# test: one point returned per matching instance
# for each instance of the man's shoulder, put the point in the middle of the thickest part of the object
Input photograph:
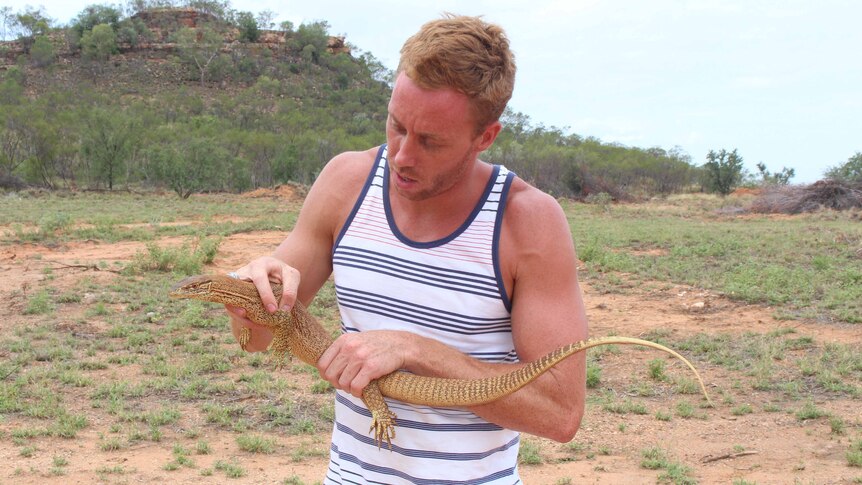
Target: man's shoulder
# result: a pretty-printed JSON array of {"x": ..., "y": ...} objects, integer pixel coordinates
[
  {"x": 347, "y": 167},
  {"x": 525, "y": 199}
]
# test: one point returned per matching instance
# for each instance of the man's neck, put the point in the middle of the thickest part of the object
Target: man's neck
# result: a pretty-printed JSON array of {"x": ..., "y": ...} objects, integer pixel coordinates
[{"x": 438, "y": 216}]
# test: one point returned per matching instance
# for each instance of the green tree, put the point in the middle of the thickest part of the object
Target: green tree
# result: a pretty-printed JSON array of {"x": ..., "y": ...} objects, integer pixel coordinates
[
  {"x": 778, "y": 178},
  {"x": 286, "y": 27},
  {"x": 722, "y": 171},
  {"x": 29, "y": 24},
  {"x": 249, "y": 31},
  {"x": 99, "y": 43},
  {"x": 266, "y": 19},
  {"x": 849, "y": 171},
  {"x": 215, "y": 8},
  {"x": 42, "y": 53},
  {"x": 7, "y": 21},
  {"x": 13, "y": 149},
  {"x": 199, "y": 47},
  {"x": 312, "y": 39},
  {"x": 94, "y": 15},
  {"x": 133, "y": 32},
  {"x": 188, "y": 157},
  {"x": 107, "y": 143}
]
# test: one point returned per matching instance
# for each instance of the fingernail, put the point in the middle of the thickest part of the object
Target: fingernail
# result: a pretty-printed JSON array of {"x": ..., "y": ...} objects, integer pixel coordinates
[
  {"x": 285, "y": 308},
  {"x": 270, "y": 308}
]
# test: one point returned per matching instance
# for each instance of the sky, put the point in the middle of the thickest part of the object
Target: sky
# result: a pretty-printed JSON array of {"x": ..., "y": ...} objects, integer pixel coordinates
[{"x": 780, "y": 81}]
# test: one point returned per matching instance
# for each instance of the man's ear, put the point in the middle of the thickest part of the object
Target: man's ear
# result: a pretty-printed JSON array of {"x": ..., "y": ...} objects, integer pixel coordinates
[{"x": 488, "y": 135}]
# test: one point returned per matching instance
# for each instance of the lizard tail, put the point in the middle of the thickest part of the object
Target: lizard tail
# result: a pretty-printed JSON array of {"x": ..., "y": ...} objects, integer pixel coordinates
[{"x": 433, "y": 391}]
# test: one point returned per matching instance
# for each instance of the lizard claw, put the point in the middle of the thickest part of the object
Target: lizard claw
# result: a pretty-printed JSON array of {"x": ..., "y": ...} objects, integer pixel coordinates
[{"x": 383, "y": 426}]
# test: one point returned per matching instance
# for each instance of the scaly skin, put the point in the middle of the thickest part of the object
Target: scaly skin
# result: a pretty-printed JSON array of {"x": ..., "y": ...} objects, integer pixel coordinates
[{"x": 298, "y": 333}]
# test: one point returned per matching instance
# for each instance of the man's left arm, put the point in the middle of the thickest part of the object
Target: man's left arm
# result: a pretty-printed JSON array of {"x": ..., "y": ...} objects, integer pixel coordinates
[{"x": 538, "y": 255}]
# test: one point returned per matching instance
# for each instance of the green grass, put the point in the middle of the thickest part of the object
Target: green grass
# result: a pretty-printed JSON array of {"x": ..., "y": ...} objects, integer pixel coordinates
[
  {"x": 254, "y": 443},
  {"x": 804, "y": 265},
  {"x": 656, "y": 458},
  {"x": 530, "y": 453},
  {"x": 854, "y": 454},
  {"x": 37, "y": 219}
]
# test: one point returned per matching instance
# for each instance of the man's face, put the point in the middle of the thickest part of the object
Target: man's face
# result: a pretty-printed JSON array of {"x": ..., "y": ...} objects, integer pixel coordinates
[{"x": 432, "y": 140}]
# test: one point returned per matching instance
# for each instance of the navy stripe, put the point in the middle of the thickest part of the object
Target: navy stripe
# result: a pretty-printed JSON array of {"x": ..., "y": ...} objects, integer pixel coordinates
[
  {"x": 425, "y": 454},
  {"x": 472, "y": 320},
  {"x": 419, "y": 481},
  {"x": 415, "y": 320},
  {"x": 407, "y": 423},
  {"x": 406, "y": 264},
  {"x": 445, "y": 327},
  {"x": 358, "y": 203},
  {"x": 510, "y": 176},
  {"x": 387, "y": 207}
]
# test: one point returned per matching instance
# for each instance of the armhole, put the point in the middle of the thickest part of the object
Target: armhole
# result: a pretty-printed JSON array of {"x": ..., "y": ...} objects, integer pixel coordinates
[
  {"x": 498, "y": 227},
  {"x": 374, "y": 167}
]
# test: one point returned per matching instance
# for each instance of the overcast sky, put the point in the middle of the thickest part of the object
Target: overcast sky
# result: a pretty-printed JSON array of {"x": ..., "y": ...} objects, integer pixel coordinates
[{"x": 779, "y": 80}]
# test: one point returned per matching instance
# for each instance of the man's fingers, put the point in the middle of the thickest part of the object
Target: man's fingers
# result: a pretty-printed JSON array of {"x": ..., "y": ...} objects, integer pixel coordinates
[
  {"x": 290, "y": 284},
  {"x": 261, "y": 281},
  {"x": 238, "y": 311}
]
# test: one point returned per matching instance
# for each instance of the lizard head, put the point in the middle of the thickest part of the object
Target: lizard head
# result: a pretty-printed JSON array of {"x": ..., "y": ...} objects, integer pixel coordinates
[{"x": 194, "y": 287}]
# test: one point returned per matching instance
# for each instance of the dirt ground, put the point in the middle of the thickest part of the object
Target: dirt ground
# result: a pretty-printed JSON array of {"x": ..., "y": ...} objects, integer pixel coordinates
[{"x": 760, "y": 447}]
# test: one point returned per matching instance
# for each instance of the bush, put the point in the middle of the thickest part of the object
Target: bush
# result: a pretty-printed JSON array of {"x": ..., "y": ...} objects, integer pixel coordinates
[
  {"x": 850, "y": 171},
  {"x": 42, "y": 53}
]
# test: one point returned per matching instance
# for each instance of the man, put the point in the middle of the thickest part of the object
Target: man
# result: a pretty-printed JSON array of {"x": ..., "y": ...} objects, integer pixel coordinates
[{"x": 444, "y": 266}]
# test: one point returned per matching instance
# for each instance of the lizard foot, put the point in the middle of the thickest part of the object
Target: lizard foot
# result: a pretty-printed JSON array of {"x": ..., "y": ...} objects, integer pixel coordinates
[
  {"x": 244, "y": 337},
  {"x": 383, "y": 426}
]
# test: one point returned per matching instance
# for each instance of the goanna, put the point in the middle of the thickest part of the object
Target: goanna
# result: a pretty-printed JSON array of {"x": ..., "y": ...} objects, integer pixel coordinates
[{"x": 298, "y": 333}]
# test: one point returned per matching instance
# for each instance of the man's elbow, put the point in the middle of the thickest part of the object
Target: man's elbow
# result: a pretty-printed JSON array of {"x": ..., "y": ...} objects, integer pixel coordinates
[{"x": 566, "y": 430}]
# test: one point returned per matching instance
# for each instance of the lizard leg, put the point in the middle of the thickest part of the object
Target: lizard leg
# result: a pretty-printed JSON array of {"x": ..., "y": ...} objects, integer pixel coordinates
[
  {"x": 280, "y": 346},
  {"x": 382, "y": 419},
  {"x": 244, "y": 337}
]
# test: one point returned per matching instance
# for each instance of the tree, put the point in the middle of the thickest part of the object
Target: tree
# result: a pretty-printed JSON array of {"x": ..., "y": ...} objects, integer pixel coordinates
[
  {"x": 249, "y": 31},
  {"x": 722, "y": 171},
  {"x": 107, "y": 143},
  {"x": 99, "y": 43},
  {"x": 7, "y": 21},
  {"x": 42, "y": 52},
  {"x": 95, "y": 15},
  {"x": 286, "y": 27},
  {"x": 30, "y": 24},
  {"x": 778, "y": 178},
  {"x": 266, "y": 19},
  {"x": 850, "y": 171},
  {"x": 199, "y": 47}
]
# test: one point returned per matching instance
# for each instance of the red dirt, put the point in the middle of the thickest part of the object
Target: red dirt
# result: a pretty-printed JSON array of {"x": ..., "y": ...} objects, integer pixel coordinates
[{"x": 783, "y": 449}]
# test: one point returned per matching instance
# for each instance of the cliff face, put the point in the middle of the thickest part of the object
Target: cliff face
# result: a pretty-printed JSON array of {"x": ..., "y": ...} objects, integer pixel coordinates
[{"x": 161, "y": 23}]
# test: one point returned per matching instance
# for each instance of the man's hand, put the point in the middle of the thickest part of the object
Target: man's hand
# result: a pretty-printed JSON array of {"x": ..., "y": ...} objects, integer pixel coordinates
[
  {"x": 355, "y": 359},
  {"x": 261, "y": 271}
]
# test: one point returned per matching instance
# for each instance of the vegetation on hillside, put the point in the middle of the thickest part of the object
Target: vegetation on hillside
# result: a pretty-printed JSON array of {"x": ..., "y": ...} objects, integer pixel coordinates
[{"x": 195, "y": 96}]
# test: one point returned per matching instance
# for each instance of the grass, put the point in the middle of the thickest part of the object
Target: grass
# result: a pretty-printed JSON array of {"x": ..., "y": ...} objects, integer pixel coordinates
[
  {"x": 806, "y": 265},
  {"x": 854, "y": 454},
  {"x": 142, "y": 368},
  {"x": 656, "y": 458}
]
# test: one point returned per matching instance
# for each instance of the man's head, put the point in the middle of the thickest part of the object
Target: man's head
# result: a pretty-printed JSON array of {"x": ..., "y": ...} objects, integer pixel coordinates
[{"x": 468, "y": 55}]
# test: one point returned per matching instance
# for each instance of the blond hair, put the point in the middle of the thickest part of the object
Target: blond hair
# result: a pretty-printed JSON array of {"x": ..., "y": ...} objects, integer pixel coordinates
[{"x": 466, "y": 54}]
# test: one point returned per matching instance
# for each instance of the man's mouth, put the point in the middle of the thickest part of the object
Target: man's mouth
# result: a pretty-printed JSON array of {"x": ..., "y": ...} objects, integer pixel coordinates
[{"x": 404, "y": 179}]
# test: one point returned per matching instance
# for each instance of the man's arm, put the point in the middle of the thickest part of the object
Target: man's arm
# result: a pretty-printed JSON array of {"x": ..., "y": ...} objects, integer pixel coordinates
[
  {"x": 539, "y": 265},
  {"x": 303, "y": 261}
]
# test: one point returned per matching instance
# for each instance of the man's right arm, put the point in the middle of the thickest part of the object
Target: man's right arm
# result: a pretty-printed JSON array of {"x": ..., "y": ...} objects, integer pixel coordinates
[{"x": 303, "y": 261}]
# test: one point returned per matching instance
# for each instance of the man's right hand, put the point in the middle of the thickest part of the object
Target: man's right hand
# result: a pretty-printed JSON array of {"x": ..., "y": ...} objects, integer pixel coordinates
[{"x": 261, "y": 272}]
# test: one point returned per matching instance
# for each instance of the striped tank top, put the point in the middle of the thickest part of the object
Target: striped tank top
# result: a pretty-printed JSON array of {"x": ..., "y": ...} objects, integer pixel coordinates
[{"x": 449, "y": 290}]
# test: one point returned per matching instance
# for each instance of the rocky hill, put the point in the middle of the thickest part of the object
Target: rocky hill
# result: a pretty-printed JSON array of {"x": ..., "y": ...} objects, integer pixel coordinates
[{"x": 153, "y": 58}]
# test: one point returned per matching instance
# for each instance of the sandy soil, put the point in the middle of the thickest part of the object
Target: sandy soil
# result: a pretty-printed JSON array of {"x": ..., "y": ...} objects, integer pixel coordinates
[{"x": 775, "y": 447}]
